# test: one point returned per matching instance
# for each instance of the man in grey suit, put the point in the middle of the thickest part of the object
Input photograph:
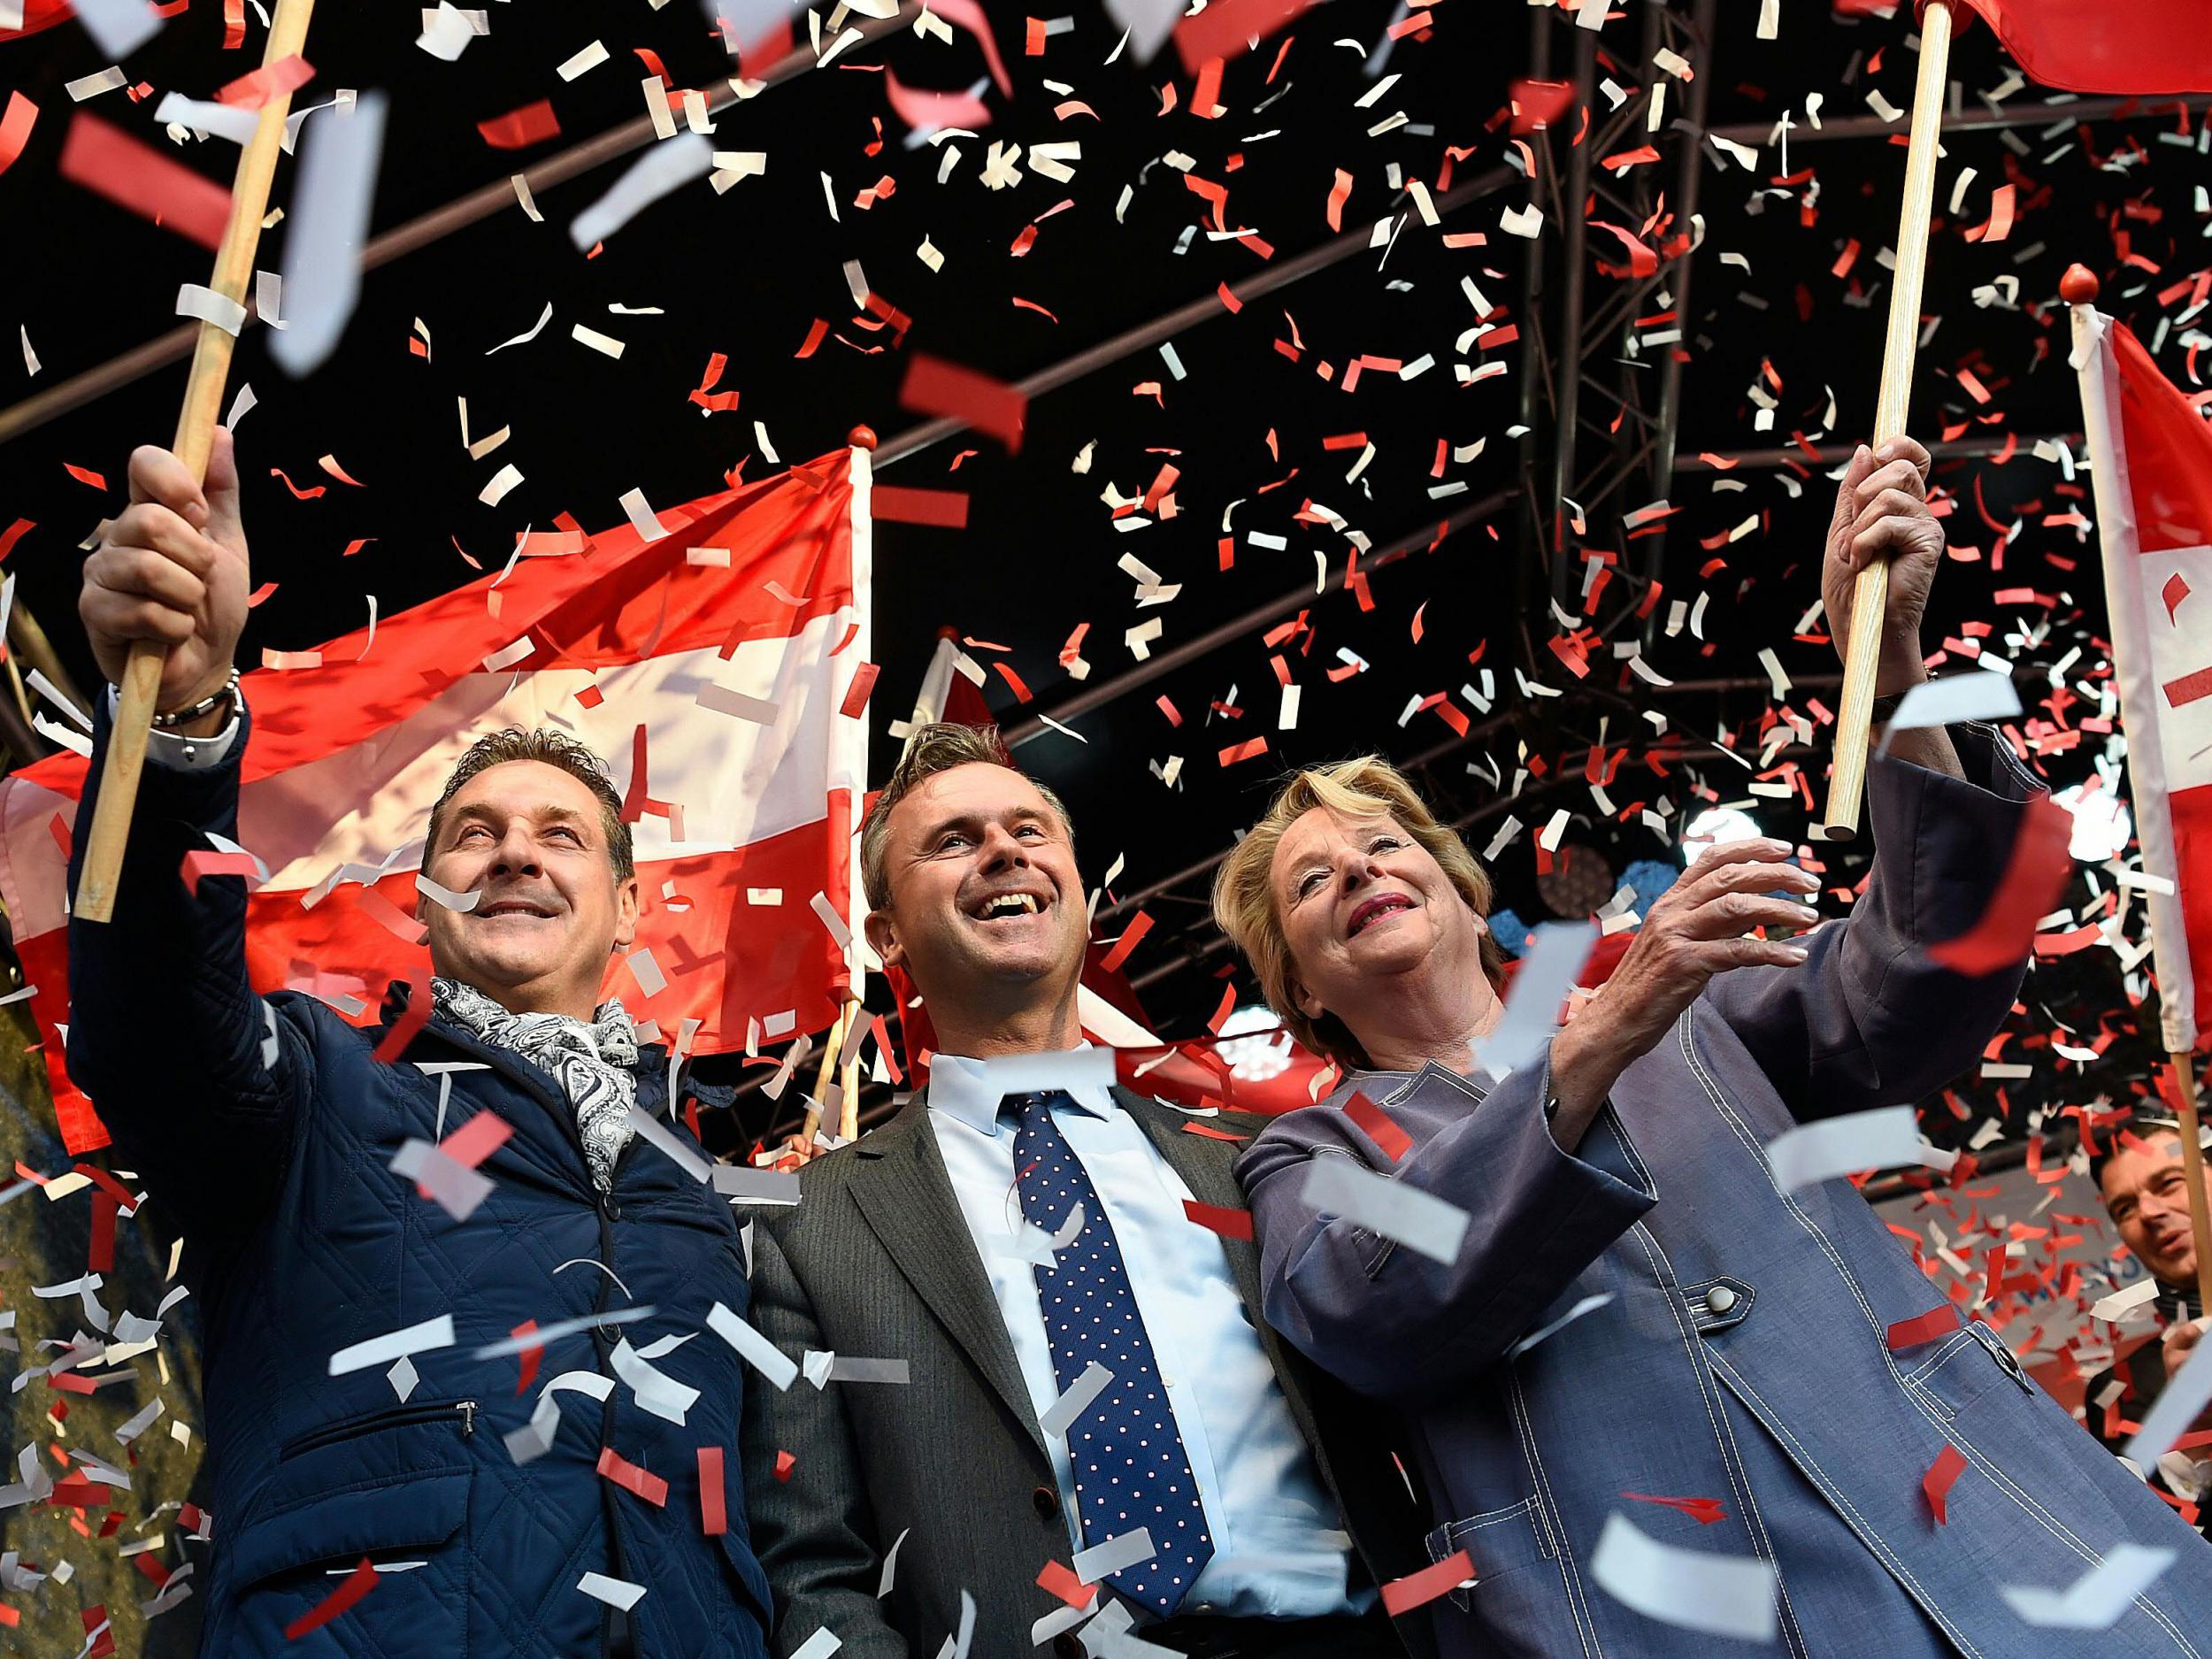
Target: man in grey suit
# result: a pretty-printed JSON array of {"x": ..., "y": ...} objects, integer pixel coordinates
[{"x": 1099, "y": 1444}]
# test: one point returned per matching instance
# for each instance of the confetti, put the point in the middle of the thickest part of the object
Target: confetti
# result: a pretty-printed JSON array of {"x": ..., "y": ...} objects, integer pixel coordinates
[
  {"x": 1718, "y": 1595},
  {"x": 1833, "y": 1147},
  {"x": 322, "y": 253},
  {"x": 1392, "y": 1209}
]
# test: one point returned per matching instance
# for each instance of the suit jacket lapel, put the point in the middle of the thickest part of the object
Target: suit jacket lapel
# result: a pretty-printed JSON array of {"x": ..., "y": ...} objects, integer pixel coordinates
[{"x": 902, "y": 1188}]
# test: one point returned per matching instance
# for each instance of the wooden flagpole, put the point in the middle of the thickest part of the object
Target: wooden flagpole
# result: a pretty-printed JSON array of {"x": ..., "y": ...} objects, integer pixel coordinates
[
  {"x": 196, "y": 439},
  {"x": 1869, "y": 592}
]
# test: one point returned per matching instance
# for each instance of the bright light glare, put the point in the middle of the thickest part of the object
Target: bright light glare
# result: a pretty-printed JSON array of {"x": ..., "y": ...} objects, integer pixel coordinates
[
  {"x": 1254, "y": 1044},
  {"x": 2101, "y": 824},
  {"x": 1716, "y": 827}
]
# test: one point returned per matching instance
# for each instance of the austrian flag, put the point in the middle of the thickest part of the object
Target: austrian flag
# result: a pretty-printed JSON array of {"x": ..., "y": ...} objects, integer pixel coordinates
[
  {"x": 708, "y": 652},
  {"x": 2150, "y": 454}
]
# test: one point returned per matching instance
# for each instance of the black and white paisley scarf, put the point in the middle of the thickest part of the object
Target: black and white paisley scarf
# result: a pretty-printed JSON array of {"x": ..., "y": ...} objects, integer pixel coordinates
[{"x": 591, "y": 1063}]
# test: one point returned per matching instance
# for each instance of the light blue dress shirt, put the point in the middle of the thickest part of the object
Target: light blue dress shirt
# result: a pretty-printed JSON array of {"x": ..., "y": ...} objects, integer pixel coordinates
[{"x": 1280, "y": 1550}]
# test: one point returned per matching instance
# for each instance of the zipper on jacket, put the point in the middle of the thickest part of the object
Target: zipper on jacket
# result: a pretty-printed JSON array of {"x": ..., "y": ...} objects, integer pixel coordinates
[{"x": 397, "y": 1416}]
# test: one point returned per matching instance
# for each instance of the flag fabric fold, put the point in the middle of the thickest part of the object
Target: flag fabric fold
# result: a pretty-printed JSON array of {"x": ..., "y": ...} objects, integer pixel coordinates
[
  {"x": 2150, "y": 456},
  {"x": 2148, "y": 50},
  {"x": 704, "y": 652}
]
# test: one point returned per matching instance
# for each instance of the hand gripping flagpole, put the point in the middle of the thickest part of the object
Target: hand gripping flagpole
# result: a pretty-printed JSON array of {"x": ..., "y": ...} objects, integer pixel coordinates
[
  {"x": 1869, "y": 590},
  {"x": 2078, "y": 288},
  {"x": 195, "y": 438}
]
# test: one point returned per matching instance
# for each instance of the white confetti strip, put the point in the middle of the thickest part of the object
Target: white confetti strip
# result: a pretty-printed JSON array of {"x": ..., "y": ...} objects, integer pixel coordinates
[
  {"x": 329, "y": 224},
  {"x": 381, "y": 1350},
  {"x": 664, "y": 167},
  {"x": 754, "y": 1349},
  {"x": 1388, "y": 1208},
  {"x": 1882, "y": 1138},
  {"x": 1692, "y": 1589},
  {"x": 2096, "y": 1600}
]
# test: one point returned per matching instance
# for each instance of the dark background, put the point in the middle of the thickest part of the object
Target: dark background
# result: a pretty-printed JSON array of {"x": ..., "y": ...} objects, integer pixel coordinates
[{"x": 748, "y": 273}]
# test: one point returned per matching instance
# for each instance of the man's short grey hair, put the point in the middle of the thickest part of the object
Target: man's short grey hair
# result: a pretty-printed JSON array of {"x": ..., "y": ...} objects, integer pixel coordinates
[
  {"x": 939, "y": 747},
  {"x": 560, "y": 751}
]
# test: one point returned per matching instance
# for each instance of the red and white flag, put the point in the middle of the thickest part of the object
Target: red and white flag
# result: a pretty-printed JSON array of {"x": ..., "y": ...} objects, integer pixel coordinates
[
  {"x": 2150, "y": 456},
  {"x": 716, "y": 654},
  {"x": 2143, "y": 47}
]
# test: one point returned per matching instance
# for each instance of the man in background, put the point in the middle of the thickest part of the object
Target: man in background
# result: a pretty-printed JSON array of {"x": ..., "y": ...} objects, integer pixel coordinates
[{"x": 2146, "y": 1191}]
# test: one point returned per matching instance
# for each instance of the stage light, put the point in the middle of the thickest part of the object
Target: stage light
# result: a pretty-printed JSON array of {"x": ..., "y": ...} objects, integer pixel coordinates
[
  {"x": 1254, "y": 1044},
  {"x": 1716, "y": 827},
  {"x": 2101, "y": 824}
]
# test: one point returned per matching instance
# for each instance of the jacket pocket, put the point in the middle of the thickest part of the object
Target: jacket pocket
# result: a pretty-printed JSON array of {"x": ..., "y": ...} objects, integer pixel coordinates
[
  {"x": 1496, "y": 1541},
  {"x": 389, "y": 1487},
  {"x": 1971, "y": 1362}
]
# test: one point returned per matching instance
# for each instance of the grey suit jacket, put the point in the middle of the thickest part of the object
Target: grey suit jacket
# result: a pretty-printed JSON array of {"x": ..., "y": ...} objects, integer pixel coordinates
[{"x": 951, "y": 1470}]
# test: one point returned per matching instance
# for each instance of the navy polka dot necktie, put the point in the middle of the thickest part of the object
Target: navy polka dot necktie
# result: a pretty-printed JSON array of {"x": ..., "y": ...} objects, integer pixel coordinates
[{"x": 1131, "y": 1468}]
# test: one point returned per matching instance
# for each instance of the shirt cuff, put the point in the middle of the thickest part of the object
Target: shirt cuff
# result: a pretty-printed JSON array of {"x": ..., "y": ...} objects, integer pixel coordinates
[{"x": 186, "y": 754}]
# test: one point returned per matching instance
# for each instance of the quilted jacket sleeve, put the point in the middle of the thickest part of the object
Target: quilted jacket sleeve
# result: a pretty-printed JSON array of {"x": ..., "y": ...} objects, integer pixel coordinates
[
  {"x": 198, "y": 1080},
  {"x": 813, "y": 1536},
  {"x": 1870, "y": 1021}
]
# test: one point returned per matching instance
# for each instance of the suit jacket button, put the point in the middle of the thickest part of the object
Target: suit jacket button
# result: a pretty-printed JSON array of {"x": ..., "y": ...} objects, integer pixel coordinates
[
  {"x": 1067, "y": 1646},
  {"x": 1047, "y": 1503}
]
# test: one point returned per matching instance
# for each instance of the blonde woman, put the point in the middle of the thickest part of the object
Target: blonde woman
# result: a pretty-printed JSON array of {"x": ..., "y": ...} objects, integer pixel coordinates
[{"x": 1754, "y": 1373}]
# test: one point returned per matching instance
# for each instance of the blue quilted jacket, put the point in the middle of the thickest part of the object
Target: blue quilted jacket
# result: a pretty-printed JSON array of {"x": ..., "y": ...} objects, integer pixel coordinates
[{"x": 262, "y": 1129}]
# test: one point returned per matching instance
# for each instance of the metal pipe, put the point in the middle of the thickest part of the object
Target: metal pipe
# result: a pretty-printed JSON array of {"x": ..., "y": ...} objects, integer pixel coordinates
[
  {"x": 1259, "y": 617},
  {"x": 1688, "y": 175},
  {"x": 441, "y": 222},
  {"x": 1567, "y": 402},
  {"x": 1145, "y": 335},
  {"x": 2041, "y": 112},
  {"x": 1790, "y": 455}
]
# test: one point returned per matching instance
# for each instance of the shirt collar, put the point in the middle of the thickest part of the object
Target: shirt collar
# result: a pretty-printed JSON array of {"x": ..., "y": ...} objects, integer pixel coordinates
[{"x": 957, "y": 1086}]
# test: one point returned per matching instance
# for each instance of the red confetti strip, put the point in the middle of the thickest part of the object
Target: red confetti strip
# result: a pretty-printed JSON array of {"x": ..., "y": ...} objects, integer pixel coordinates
[
  {"x": 947, "y": 509},
  {"x": 1942, "y": 1474},
  {"x": 623, "y": 1473},
  {"x": 855, "y": 702},
  {"x": 15, "y": 128},
  {"x": 1230, "y": 1223},
  {"x": 1225, "y": 28},
  {"x": 1930, "y": 1326},
  {"x": 1704, "y": 1511},
  {"x": 1056, "y": 1578},
  {"x": 1139, "y": 924},
  {"x": 1250, "y": 749},
  {"x": 1211, "y": 1133},
  {"x": 714, "y": 1519},
  {"x": 210, "y": 862},
  {"x": 271, "y": 80},
  {"x": 784, "y": 1464},
  {"x": 13, "y": 534},
  {"x": 2034, "y": 876},
  {"x": 517, "y": 129},
  {"x": 934, "y": 386},
  {"x": 1418, "y": 1589},
  {"x": 477, "y": 1140},
  {"x": 417, "y": 1015},
  {"x": 358, "y": 1583},
  {"x": 530, "y": 1356},
  {"x": 1394, "y": 1142},
  {"x": 1221, "y": 1014},
  {"x": 141, "y": 180},
  {"x": 84, "y": 475},
  {"x": 1539, "y": 104}
]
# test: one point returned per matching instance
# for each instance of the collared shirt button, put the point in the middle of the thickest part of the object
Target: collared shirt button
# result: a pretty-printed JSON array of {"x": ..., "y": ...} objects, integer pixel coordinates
[{"x": 1719, "y": 1300}]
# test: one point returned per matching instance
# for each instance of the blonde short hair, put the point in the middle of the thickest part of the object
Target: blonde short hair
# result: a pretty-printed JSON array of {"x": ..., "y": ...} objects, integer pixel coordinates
[{"x": 1244, "y": 890}]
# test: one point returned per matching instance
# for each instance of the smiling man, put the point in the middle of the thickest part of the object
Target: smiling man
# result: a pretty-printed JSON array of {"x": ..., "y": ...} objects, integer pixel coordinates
[
  {"x": 1085, "y": 1373},
  {"x": 2144, "y": 1187},
  {"x": 286, "y": 1147}
]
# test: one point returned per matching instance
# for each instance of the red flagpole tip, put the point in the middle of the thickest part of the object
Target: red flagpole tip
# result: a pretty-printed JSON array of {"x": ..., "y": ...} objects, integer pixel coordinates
[
  {"x": 864, "y": 437},
  {"x": 2078, "y": 286}
]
